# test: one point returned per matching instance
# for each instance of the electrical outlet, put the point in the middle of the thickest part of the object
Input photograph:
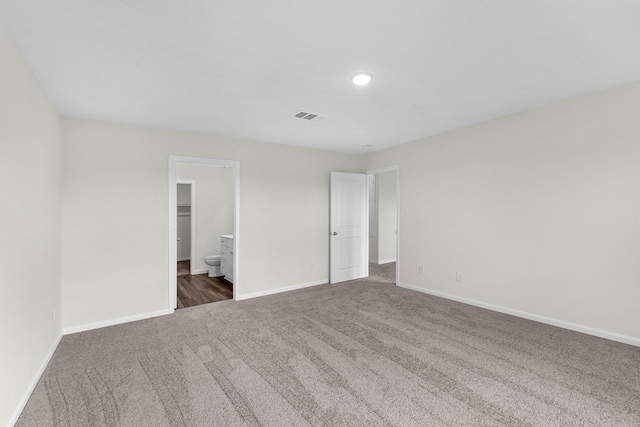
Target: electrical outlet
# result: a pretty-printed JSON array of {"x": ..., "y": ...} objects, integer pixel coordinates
[
  {"x": 420, "y": 269},
  {"x": 459, "y": 276}
]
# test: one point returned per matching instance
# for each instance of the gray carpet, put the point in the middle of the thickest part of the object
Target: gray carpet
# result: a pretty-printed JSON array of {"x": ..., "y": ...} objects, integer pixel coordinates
[{"x": 362, "y": 353}]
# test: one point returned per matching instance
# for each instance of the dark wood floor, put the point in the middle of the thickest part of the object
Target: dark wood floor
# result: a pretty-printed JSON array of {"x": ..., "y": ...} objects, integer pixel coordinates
[
  {"x": 183, "y": 268},
  {"x": 200, "y": 289}
]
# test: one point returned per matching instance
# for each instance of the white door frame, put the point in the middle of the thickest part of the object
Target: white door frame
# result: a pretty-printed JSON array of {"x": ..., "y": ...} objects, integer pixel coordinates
[
  {"x": 192, "y": 220},
  {"x": 174, "y": 161},
  {"x": 391, "y": 168}
]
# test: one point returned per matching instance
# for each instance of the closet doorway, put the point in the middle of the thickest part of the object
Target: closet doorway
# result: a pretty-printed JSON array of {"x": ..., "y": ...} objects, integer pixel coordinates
[{"x": 185, "y": 225}]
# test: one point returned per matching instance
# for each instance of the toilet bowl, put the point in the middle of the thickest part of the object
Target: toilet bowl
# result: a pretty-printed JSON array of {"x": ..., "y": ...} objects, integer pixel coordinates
[{"x": 213, "y": 262}]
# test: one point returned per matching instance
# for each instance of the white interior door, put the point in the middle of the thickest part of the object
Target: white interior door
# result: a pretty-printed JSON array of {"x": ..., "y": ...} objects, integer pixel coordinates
[{"x": 349, "y": 227}]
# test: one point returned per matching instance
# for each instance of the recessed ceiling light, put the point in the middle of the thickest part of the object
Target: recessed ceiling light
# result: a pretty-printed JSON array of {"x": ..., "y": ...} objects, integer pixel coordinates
[
  {"x": 361, "y": 78},
  {"x": 366, "y": 147}
]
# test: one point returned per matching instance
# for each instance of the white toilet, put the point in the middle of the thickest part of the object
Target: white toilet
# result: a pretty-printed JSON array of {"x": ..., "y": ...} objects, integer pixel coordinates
[{"x": 213, "y": 262}]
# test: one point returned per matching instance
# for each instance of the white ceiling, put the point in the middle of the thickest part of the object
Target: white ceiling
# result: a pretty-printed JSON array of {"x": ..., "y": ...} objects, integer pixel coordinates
[{"x": 243, "y": 68}]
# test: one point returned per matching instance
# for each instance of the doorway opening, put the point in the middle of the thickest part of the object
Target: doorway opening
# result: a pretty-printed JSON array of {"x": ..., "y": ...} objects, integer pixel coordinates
[
  {"x": 364, "y": 225},
  {"x": 203, "y": 230},
  {"x": 383, "y": 189},
  {"x": 199, "y": 283}
]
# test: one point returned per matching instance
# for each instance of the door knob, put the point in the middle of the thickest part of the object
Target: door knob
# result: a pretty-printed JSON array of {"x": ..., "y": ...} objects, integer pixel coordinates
[
  {"x": 335, "y": 233},
  {"x": 178, "y": 238}
]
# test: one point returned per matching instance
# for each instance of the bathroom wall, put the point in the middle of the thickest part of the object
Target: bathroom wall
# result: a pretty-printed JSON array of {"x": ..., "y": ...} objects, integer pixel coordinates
[
  {"x": 30, "y": 158},
  {"x": 284, "y": 215},
  {"x": 214, "y": 211}
]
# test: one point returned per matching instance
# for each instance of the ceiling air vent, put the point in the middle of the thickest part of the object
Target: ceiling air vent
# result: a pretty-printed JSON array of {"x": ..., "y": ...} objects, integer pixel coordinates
[{"x": 308, "y": 116}]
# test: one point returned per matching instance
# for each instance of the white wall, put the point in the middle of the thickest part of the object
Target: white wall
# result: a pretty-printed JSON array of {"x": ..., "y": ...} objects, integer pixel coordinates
[
  {"x": 373, "y": 219},
  {"x": 183, "y": 194},
  {"x": 30, "y": 229},
  {"x": 387, "y": 216},
  {"x": 539, "y": 210},
  {"x": 214, "y": 210},
  {"x": 284, "y": 215}
]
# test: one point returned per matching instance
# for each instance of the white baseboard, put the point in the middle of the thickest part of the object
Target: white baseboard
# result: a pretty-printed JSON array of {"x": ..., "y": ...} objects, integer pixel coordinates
[
  {"x": 111, "y": 322},
  {"x": 613, "y": 336},
  {"x": 279, "y": 290},
  {"x": 194, "y": 272},
  {"x": 34, "y": 383}
]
